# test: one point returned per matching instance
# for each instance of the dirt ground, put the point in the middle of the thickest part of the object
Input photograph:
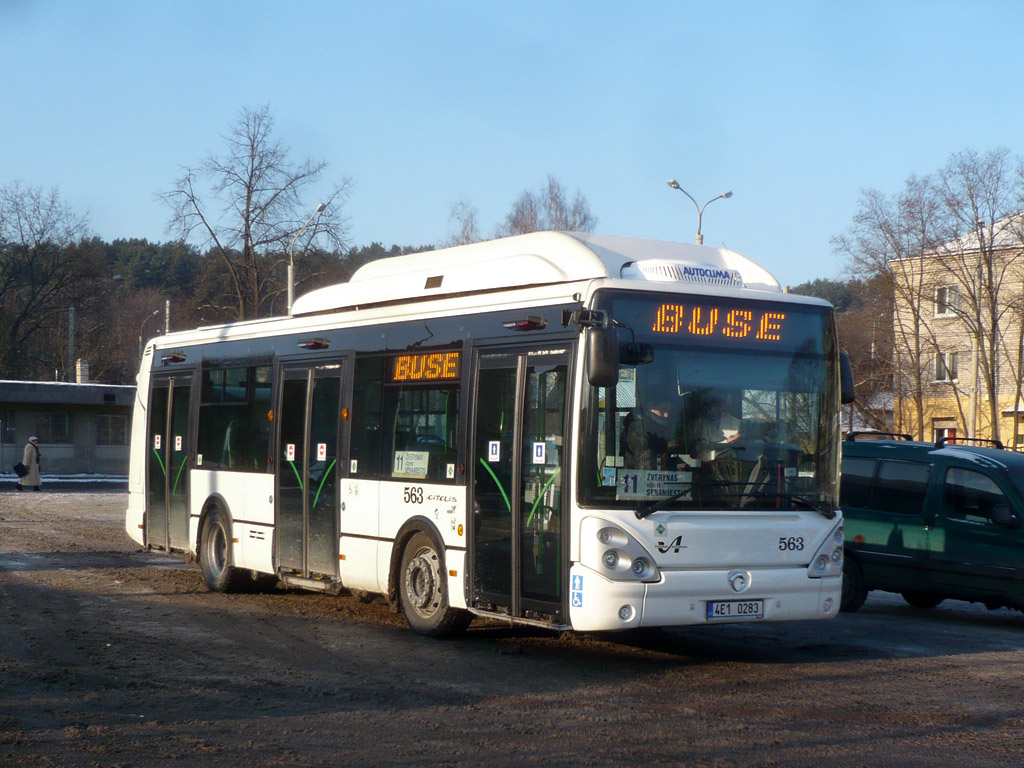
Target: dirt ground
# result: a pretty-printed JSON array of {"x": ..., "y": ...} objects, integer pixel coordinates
[{"x": 111, "y": 656}]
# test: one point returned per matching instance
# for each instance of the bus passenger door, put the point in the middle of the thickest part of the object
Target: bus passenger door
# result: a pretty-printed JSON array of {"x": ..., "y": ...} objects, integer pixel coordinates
[
  {"x": 307, "y": 471},
  {"x": 168, "y": 464},
  {"x": 518, "y": 479}
]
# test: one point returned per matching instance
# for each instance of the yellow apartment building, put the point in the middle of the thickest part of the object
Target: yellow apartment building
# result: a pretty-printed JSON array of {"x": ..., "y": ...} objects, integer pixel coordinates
[{"x": 958, "y": 341}]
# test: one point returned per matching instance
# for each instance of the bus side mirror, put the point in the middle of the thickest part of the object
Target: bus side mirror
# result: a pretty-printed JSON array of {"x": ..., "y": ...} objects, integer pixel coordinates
[
  {"x": 847, "y": 390},
  {"x": 602, "y": 345}
]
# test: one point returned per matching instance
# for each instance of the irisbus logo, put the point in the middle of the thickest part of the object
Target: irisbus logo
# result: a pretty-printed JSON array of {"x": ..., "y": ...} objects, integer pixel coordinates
[{"x": 674, "y": 546}]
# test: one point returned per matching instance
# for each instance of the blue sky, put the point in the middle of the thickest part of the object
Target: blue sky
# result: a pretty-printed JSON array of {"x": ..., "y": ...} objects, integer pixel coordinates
[{"x": 794, "y": 106}]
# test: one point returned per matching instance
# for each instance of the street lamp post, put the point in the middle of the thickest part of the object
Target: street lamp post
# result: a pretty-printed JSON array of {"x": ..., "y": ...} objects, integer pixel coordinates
[
  {"x": 149, "y": 317},
  {"x": 700, "y": 208},
  {"x": 291, "y": 256}
]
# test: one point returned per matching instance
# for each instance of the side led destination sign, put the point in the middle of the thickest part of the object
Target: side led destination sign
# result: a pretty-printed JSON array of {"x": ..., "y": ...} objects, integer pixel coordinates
[
  {"x": 426, "y": 366},
  {"x": 720, "y": 322}
]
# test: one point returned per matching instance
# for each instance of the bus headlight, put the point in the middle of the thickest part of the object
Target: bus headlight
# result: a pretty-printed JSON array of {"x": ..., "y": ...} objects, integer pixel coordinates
[
  {"x": 828, "y": 559},
  {"x": 642, "y": 568},
  {"x": 615, "y": 554}
]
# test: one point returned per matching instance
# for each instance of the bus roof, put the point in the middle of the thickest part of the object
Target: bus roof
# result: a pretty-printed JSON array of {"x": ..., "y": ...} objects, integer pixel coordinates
[{"x": 539, "y": 258}]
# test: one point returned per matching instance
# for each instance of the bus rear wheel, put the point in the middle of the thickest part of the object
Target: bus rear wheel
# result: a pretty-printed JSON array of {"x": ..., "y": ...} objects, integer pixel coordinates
[
  {"x": 216, "y": 556},
  {"x": 423, "y": 590}
]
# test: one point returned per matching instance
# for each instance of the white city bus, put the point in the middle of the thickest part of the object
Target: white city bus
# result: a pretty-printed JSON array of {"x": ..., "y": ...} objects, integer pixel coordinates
[{"x": 567, "y": 430}]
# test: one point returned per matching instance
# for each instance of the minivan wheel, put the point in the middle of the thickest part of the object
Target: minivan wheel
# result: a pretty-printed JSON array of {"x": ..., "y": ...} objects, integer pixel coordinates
[
  {"x": 922, "y": 599},
  {"x": 854, "y": 591}
]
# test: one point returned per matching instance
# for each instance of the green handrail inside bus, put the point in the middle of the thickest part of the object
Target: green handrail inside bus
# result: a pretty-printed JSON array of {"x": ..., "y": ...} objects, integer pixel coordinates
[
  {"x": 297, "y": 475},
  {"x": 324, "y": 480},
  {"x": 162, "y": 467},
  {"x": 508, "y": 504},
  {"x": 540, "y": 495},
  {"x": 178, "y": 478}
]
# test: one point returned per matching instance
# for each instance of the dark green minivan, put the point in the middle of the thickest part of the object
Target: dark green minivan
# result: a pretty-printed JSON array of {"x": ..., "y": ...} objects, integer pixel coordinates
[{"x": 932, "y": 521}]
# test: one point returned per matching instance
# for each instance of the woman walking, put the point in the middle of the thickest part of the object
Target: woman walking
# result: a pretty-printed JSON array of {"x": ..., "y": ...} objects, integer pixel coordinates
[{"x": 31, "y": 460}]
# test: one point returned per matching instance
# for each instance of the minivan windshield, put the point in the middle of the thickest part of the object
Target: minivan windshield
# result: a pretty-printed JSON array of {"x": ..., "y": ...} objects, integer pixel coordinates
[
  {"x": 1017, "y": 478},
  {"x": 720, "y": 404}
]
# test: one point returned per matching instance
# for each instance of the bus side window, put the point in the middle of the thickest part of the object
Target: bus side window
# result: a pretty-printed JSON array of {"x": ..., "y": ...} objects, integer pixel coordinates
[
  {"x": 366, "y": 416},
  {"x": 423, "y": 426},
  {"x": 233, "y": 429}
]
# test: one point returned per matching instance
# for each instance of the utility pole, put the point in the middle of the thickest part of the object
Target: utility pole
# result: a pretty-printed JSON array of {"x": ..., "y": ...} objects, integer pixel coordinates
[{"x": 70, "y": 372}]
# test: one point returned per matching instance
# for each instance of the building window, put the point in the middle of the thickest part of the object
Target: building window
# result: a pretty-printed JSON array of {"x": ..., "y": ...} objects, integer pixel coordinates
[
  {"x": 53, "y": 427},
  {"x": 945, "y": 301},
  {"x": 945, "y": 366},
  {"x": 7, "y": 427},
  {"x": 111, "y": 429}
]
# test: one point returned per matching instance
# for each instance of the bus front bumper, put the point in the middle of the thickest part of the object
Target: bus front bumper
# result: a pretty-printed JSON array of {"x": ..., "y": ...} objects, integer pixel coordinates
[{"x": 682, "y": 598}]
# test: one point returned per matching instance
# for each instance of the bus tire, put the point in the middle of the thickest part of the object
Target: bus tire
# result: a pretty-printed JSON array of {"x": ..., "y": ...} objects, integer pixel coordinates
[
  {"x": 854, "y": 591},
  {"x": 423, "y": 590},
  {"x": 216, "y": 555}
]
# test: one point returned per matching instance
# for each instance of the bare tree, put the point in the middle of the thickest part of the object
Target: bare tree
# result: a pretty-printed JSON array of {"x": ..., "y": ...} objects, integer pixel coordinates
[
  {"x": 549, "y": 209},
  {"x": 41, "y": 276},
  {"x": 249, "y": 204},
  {"x": 981, "y": 254},
  {"x": 888, "y": 241},
  {"x": 951, "y": 249},
  {"x": 464, "y": 217}
]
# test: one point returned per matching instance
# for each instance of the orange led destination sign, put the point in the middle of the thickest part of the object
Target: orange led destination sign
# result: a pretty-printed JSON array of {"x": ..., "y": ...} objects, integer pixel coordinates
[
  {"x": 722, "y": 322},
  {"x": 427, "y": 366}
]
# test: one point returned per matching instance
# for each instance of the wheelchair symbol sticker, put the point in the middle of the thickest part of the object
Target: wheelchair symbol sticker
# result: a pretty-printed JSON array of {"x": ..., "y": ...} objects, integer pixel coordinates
[{"x": 576, "y": 598}]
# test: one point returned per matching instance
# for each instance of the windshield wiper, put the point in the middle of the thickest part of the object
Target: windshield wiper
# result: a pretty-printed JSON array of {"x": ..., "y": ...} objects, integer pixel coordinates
[
  {"x": 824, "y": 511},
  {"x": 654, "y": 506},
  {"x": 817, "y": 506}
]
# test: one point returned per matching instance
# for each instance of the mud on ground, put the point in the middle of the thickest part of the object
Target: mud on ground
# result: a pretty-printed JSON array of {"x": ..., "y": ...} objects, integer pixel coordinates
[{"x": 112, "y": 656}]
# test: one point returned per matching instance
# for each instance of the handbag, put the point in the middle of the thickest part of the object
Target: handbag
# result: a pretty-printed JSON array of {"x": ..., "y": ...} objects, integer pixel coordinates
[{"x": 20, "y": 469}]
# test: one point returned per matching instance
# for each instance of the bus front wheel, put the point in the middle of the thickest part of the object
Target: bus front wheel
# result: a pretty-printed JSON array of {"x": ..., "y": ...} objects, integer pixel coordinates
[
  {"x": 423, "y": 590},
  {"x": 215, "y": 555}
]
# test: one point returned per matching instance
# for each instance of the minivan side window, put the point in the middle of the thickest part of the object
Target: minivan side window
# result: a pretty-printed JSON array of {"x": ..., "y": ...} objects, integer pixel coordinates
[
  {"x": 855, "y": 486},
  {"x": 886, "y": 486},
  {"x": 901, "y": 487},
  {"x": 969, "y": 495}
]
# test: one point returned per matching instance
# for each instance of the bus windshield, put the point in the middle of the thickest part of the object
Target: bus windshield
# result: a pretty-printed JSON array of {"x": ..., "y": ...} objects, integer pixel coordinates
[{"x": 721, "y": 404}]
